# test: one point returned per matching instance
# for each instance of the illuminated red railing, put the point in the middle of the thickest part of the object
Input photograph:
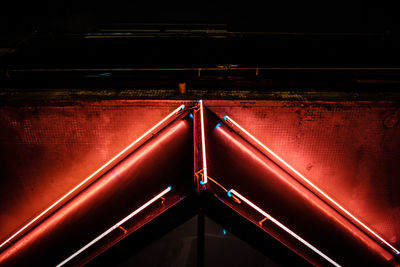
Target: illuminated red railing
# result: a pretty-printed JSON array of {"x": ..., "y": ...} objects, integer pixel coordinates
[
  {"x": 280, "y": 225},
  {"x": 203, "y": 144},
  {"x": 115, "y": 226},
  {"x": 91, "y": 178},
  {"x": 336, "y": 205}
]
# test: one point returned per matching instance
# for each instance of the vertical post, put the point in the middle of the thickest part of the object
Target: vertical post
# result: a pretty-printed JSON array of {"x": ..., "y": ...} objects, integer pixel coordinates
[{"x": 198, "y": 165}]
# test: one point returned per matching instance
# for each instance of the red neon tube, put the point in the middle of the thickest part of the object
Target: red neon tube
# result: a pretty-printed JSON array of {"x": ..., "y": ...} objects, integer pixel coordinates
[
  {"x": 91, "y": 178},
  {"x": 115, "y": 226},
  {"x": 203, "y": 144},
  {"x": 303, "y": 178},
  {"x": 282, "y": 226}
]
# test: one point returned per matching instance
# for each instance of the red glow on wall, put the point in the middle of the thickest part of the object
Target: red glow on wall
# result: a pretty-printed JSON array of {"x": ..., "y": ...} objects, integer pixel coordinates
[
  {"x": 307, "y": 182},
  {"x": 127, "y": 150},
  {"x": 115, "y": 226},
  {"x": 263, "y": 129},
  {"x": 344, "y": 148}
]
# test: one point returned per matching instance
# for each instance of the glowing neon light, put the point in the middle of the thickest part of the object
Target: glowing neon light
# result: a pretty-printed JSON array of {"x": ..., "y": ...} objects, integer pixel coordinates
[
  {"x": 228, "y": 119},
  {"x": 283, "y": 227},
  {"x": 203, "y": 144},
  {"x": 180, "y": 108},
  {"x": 115, "y": 226},
  {"x": 229, "y": 193}
]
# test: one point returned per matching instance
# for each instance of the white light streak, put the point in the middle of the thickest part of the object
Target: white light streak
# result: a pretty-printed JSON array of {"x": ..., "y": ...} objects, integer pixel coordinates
[
  {"x": 272, "y": 219},
  {"x": 203, "y": 144},
  {"x": 151, "y": 201},
  {"x": 102, "y": 168},
  {"x": 340, "y": 207}
]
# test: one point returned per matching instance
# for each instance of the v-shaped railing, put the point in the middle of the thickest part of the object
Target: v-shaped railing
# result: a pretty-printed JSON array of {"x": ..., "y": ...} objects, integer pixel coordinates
[{"x": 155, "y": 172}]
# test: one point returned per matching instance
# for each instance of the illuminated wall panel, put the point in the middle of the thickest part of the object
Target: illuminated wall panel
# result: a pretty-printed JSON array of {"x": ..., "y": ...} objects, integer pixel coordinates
[{"x": 349, "y": 150}]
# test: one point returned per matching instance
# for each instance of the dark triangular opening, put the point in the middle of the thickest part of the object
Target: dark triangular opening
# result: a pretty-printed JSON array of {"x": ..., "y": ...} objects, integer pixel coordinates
[{"x": 199, "y": 231}]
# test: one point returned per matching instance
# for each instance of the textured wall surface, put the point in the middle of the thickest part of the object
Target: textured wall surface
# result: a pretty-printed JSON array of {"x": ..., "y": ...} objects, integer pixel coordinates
[
  {"x": 350, "y": 150},
  {"x": 45, "y": 150}
]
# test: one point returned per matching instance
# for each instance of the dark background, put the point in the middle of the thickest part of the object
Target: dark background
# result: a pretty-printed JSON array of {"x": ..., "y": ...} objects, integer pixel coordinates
[
  {"x": 335, "y": 45},
  {"x": 73, "y": 51}
]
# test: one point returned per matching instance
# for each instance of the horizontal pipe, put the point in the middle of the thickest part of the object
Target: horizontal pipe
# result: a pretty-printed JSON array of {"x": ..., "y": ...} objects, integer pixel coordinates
[{"x": 221, "y": 68}]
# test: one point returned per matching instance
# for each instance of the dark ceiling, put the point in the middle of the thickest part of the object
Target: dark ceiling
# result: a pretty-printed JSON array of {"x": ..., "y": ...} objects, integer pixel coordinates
[
  {"x": 86, "y": 40},
  {"x": 199, "y": 33}
]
